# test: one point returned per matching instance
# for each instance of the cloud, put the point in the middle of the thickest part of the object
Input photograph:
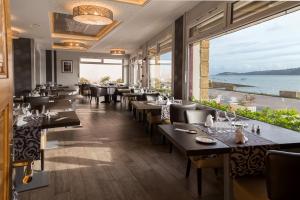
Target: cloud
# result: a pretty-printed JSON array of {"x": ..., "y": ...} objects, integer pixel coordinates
[{"x": 274, "y": 44}]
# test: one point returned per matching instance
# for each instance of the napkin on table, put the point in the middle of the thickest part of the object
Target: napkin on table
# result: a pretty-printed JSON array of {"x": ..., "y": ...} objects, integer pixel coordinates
[{"x": 240, "y": 137}]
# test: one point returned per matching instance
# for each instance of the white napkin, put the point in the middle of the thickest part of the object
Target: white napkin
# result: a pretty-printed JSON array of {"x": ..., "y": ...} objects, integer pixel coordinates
[
  {"x": 168, "y": 102},
  {"x": 160, "y": 98},
  {"x": 20, "y": 121},
  {"x": 240, "y": 137},
  {"x": 209, "y": 121}
]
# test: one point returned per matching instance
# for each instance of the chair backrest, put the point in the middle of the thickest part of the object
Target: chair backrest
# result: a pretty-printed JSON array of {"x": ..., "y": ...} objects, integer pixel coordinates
[
  {"x": 177, "y": 112},
  {"x": 282, "y": 175},
  {"x": 199, "y": 116},
  {"x": 152, "y": 97},
  {"x": 103, "y": 91},
  {"x": 37, "y": 102},
  {"x": 94, "y": 91},
  {"x": 141, "y": 97}
]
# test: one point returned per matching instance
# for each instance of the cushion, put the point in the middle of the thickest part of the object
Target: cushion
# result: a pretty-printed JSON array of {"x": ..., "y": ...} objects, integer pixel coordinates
[{"x": 250, "y": 188}]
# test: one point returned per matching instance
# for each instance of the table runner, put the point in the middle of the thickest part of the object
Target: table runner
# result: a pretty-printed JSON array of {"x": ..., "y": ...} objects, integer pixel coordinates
[
  {"x": 245, "y": 159},
  {"x": 26, "y": 140}
]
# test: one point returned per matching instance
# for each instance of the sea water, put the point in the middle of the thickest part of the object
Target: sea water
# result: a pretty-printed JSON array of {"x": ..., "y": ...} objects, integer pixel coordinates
[{"x": 265, "y": 84}]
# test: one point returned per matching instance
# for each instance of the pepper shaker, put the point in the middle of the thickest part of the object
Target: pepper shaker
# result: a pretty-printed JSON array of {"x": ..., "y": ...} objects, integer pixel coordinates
[{"x": 258, "y": 130}]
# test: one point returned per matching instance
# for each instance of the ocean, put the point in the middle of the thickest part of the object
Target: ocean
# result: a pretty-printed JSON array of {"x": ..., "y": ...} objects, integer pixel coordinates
[{"x": 266, "y": 84}]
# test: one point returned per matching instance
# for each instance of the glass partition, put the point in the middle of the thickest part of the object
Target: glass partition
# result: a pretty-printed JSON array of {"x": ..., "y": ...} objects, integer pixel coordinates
[{"x": 160, "y": 71}]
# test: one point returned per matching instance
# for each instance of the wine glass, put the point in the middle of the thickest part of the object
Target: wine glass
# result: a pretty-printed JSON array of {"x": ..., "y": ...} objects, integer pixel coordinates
[
  {"x": 231, "y": 117},
  {"x": 221, "y": 118},
  {"x": 25, "y": 107}
]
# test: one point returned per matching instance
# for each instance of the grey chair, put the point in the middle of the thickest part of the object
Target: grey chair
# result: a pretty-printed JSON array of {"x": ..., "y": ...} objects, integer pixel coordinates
[
  {"x": 282, "y": 175},
  {"x": 97, "y": 92},
  {"x": 152, "y": 97},
  {"x": 37, "y": 102},
  {"x": 85, "y": 90},
  {"x": 177, "y": 112},
  {"x": 211, "y": 161},
  {"x": 199, "y": 116}
]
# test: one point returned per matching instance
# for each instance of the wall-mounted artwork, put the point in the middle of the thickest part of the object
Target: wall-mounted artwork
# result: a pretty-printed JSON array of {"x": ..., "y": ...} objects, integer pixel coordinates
[
  {"x": 3, "y": 38},
  {"x": 67, "y": 66}
]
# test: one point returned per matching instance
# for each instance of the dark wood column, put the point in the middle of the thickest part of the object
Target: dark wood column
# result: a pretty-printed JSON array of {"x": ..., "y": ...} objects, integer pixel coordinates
[
  {"x": 178, "y": 59},
  {"x": 22, "y": 65},
  {"x": 48, "y": 66}
]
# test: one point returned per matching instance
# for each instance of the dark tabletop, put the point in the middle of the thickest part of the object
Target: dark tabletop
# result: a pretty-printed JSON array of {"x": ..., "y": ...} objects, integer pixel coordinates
[
  {"x": 59, "y": 104},
  {"x": 62, "y": 119},
  {"x": 187, "y": 144}
]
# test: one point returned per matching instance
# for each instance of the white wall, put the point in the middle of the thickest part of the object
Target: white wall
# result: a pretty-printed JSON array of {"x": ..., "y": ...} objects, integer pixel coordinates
[{"x": 70, "y": 79}]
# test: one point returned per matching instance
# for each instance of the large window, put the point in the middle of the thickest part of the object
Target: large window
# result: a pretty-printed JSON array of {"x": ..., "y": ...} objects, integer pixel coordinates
[
  {"x": 160, "y": 69},
  {"x": 101, "y": 70}
]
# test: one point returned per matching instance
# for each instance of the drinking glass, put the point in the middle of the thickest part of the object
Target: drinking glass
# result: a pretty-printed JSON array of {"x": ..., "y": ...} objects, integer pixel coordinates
[
  {"x": 25, "y": 108},
  {"x": 231, "y": 117},
  {"x": 221, "y": 118}
]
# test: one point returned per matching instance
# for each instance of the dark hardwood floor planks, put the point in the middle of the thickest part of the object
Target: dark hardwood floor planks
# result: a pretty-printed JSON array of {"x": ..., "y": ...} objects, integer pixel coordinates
[{"x": 112, "y": 158}]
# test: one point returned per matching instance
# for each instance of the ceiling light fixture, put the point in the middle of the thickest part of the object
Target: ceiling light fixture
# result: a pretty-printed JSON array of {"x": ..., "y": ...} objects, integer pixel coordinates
[
  {"x": 93, "y": 15},
  {"x": 70, "y": 45},
  {"x": 117, "y": 52},
  {"x": 78, "y": 45}
]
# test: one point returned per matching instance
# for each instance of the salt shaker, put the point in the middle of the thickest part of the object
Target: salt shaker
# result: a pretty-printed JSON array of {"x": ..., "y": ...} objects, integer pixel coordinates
[{"x": 252, "y": 129}]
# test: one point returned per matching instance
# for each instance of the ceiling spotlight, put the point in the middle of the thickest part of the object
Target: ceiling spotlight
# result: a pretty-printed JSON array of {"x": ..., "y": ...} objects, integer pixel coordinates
[
  {"x": 117, "y": 52},
  {"x": 93, "y": 15}
]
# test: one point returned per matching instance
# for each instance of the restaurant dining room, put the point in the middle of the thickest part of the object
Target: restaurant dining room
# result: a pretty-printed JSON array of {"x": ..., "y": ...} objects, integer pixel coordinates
[{"x": 130, "y": 100}]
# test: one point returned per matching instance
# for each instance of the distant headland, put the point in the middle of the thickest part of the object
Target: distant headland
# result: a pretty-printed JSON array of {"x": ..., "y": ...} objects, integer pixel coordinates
[{"x": 291, "y": 71}]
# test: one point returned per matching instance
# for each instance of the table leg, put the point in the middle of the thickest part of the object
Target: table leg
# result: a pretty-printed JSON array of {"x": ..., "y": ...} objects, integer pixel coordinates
[
  {"x": 43, "y": 147},
  {"x": 42, "y": 159},
  {"x": 228, "y": 190}
]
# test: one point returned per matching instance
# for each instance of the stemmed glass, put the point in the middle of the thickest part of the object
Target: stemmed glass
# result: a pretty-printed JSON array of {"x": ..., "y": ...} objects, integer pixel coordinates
[
  {"x": 25, "y": 107},
  {"x": 220, "y": 118},
  {"x": 231, "y": 117}
]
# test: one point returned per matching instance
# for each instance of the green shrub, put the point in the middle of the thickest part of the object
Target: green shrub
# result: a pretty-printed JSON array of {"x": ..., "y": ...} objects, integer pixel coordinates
[{"x": 288, "y": 118}]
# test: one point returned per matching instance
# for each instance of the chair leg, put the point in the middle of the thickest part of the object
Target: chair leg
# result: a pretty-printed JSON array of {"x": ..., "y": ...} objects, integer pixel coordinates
[
  {"x": 188, "y": 168},
  {"x": 199, "y": 180},
  {"x": 150, "y": 129},
  {"x": 171, "y": 148}
]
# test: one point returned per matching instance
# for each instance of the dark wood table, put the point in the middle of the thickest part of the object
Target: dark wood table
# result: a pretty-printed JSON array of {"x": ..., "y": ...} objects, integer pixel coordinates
[
  {"x": 62, "y": 119},
  {"x": 40, "y": 179},
  {"x": 60, "y": 105},
  {"x": 186, "y": 143}
]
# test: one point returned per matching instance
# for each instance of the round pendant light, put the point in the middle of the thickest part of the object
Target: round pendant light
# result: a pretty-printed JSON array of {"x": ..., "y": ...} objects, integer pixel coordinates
[
  {"x": 93, "y": 15},
  {"x": 117, "y": 52}
]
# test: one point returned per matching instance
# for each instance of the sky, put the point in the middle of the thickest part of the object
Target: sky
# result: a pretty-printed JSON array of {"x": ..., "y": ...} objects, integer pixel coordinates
[
  {"x": 94, "y": 72},
  {"x": 271, "y": 45}
]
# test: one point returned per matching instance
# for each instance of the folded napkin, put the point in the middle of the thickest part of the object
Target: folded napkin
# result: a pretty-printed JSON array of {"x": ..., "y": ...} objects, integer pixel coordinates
[
  {"x": 240, "y": 137},
  {"x": 20, "y": 121},
  {"x": 209, "y": 121}
]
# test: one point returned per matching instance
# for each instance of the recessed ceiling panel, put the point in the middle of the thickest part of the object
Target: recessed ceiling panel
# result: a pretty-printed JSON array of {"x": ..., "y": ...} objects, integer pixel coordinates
[
  {"x": 64, "y": 27},
  {"x": 137, "y": 2}
]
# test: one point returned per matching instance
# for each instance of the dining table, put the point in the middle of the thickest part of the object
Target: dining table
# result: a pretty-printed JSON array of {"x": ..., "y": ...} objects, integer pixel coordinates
[
  {"x": 30, "y": 143},
  {"x": 239, "y": 159},
  {"x": 141, "y": 108}
]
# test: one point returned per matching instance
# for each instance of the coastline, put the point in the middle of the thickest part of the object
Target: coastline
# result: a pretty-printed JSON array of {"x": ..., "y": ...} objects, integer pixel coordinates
[
  {"x": 260, "y": 100},
  {"x": 233, "y": 86},
  {"x": 216, "y": 84}
]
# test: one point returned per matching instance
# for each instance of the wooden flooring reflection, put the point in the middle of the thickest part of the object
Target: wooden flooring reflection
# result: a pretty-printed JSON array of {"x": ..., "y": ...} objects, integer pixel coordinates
[{"x": 111, "y": 158}]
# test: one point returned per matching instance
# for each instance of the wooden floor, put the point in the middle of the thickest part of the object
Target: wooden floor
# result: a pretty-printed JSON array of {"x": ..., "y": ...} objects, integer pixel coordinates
[{"x": 112, "y": 157}]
